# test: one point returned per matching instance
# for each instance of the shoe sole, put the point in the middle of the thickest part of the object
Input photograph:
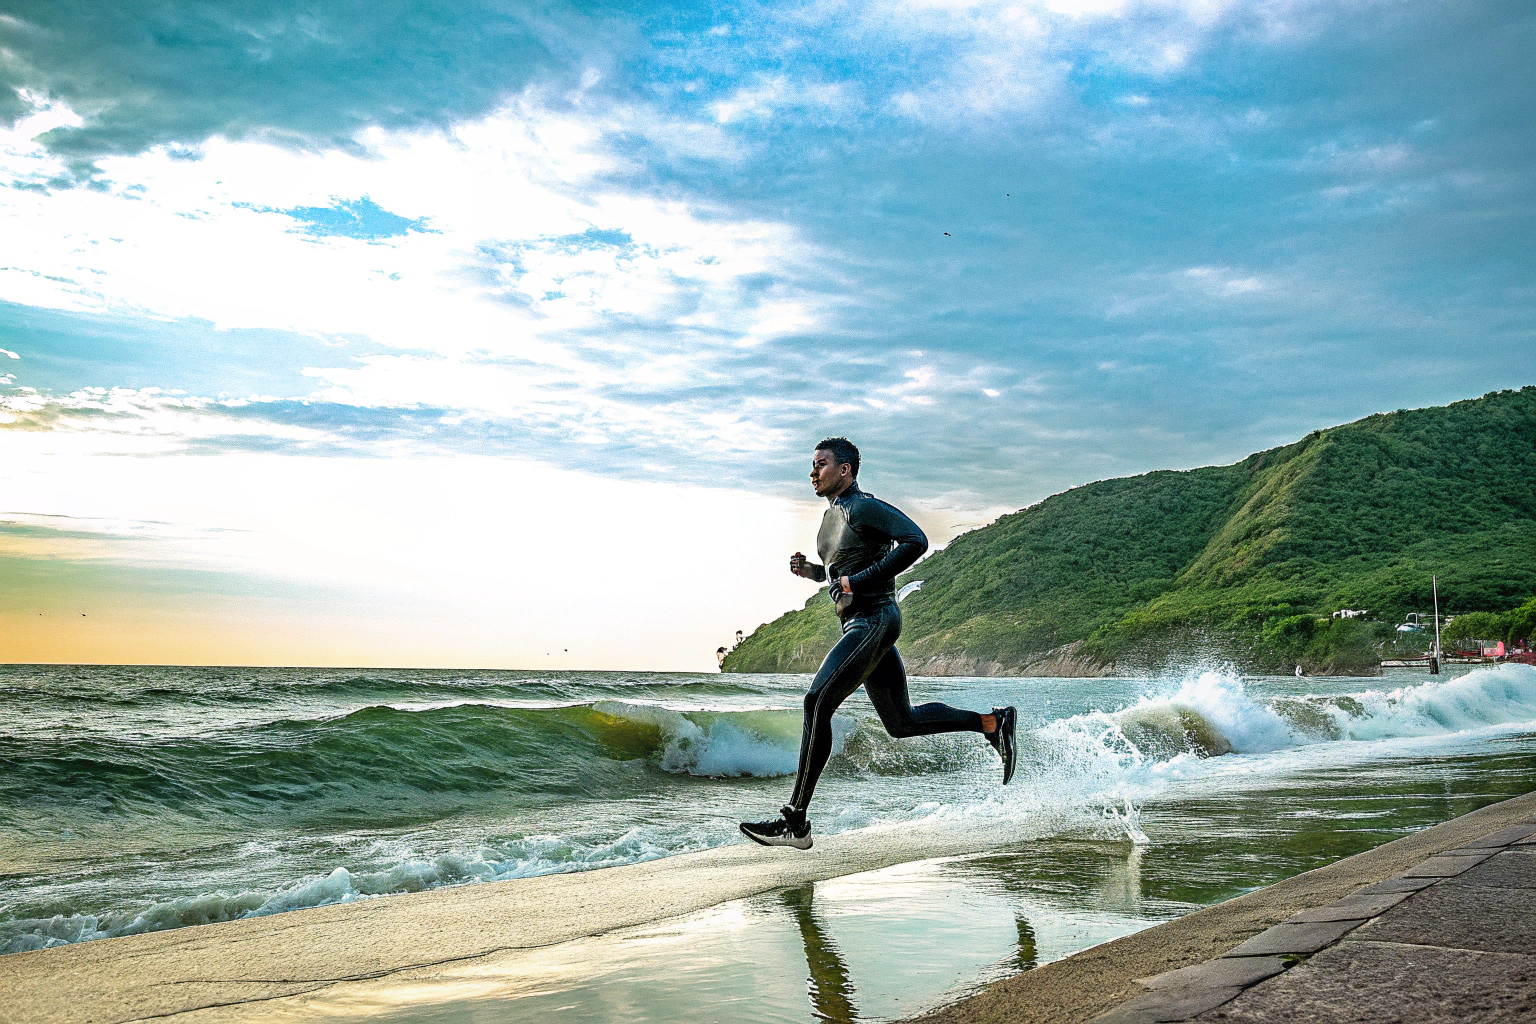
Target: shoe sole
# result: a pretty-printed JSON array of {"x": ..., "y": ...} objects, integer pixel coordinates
[
  {"x": 1009, "y": 750},
  {"x": 790, "y": 841}
]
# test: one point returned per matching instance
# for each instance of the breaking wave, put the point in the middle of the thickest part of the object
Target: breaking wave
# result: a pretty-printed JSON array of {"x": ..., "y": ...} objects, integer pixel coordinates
[
  {"x": 607, "y": 746},
  {"x": 1211, "y": 713}
]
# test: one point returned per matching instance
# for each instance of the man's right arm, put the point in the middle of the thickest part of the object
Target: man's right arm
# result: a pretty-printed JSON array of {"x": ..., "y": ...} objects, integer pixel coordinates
[{"x": 801, "y": 566}]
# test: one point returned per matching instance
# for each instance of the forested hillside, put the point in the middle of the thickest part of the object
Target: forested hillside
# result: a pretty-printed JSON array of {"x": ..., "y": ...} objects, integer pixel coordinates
[{"x": 1236, "y": 562}]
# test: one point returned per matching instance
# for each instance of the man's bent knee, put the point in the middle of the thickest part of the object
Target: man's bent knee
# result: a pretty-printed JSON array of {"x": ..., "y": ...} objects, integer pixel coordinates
[{"x": 901, "y": 728}]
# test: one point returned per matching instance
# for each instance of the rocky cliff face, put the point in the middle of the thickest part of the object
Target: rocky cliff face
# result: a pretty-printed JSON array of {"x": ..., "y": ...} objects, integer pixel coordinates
[{"x": 1064, "y": 662}]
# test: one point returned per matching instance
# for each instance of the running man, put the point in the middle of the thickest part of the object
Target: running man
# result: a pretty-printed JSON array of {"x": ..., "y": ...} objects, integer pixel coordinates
[{"x": 864, "y": 544}]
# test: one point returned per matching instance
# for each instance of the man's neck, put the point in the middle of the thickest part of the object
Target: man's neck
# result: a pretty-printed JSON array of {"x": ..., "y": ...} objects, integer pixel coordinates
[{"x": 852, "y": 485}]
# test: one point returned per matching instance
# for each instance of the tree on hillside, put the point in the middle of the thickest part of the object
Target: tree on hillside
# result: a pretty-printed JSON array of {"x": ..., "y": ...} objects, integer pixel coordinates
[
  {"x": 1520, "y": 623},
  {"x": 1475, "y": 626}
]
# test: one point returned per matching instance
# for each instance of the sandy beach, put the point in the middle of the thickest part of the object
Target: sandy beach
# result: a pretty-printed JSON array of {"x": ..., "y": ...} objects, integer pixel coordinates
[
  {"x": 258, "y": 968},
  {"x": 333, "y": 961}
]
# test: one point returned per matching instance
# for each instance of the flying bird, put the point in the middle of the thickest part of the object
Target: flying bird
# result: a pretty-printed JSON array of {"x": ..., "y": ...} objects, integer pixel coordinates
[{"x": 948, "y": 235}]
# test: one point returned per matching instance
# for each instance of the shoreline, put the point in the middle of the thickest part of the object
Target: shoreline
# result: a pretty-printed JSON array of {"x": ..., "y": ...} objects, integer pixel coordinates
[
  {"x": 269, "y": 967},
  {"x": 245, "y": 969},
  {"x": 1084, "y": 985}
]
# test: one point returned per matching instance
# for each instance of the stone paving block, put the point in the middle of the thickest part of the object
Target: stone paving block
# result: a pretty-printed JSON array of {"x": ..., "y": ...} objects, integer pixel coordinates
[
  {"x": 1224, "y": 972},
  {"x": 1382, "y": 983},
  {"x": 1444, "y": 867},
  {"x": 1515, "y": 833},
  {"x": 1354, "y": 907},
  {"x": 1397, "y": 884},
  {"x": 1294, "y": 938},
  {"x": 1473, "y": 851},
  {"x": 1459, "y": 917},
  {"x": 1512, "y": 869},
  {"x": 1158, "y": 1007}
]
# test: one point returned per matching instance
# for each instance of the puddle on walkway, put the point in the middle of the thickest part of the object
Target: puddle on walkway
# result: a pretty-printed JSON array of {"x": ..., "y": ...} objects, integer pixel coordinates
[{"x": 870, "y": 947}]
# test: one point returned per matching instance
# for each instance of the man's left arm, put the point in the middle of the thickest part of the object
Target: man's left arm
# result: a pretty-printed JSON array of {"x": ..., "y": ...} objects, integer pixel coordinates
[{"x": 909, "y": 542}]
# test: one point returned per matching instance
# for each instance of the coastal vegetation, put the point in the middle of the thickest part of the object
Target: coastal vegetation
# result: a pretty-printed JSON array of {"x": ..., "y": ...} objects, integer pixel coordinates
[
  {"x": 1513, "y": 626},
  {"x": 1246, "y": 563}
]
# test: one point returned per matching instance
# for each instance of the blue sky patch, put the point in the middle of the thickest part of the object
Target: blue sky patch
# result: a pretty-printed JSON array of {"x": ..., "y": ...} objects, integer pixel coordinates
[{"x": 350, "y": 218}]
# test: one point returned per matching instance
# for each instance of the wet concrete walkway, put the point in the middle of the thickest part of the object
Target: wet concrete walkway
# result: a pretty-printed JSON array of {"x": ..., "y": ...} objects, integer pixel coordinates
[{"x": 1452, "y": 938}]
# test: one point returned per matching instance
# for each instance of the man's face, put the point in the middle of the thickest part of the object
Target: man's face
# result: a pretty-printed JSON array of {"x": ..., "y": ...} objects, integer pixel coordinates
[{"x": 828, "y": 477}]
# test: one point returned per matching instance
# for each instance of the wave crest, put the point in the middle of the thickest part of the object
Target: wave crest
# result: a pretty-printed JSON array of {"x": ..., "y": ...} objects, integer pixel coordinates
[
  {"x": 1211, "y": 713},
  {"x": 538, "y": 855}
]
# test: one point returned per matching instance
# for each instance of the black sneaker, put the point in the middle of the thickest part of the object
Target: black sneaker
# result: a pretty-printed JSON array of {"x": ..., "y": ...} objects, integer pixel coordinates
[
  {"x": 790, "y": 828},
  {"x": 1002, "y": 740}
]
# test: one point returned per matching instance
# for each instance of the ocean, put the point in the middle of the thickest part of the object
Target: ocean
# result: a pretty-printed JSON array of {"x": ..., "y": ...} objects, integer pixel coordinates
[{"x": 135, "y": 799}]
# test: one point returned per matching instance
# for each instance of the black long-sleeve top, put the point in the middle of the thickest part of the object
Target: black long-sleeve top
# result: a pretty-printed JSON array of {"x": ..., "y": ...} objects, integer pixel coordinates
[{"x": 869, "y": 541}]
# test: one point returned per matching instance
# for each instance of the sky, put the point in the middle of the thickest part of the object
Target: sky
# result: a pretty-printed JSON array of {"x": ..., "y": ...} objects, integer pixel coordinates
[{"x": 485, "y": 334}]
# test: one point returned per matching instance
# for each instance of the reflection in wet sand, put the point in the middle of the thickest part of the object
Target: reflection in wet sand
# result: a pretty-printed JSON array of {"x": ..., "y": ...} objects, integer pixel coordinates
[
  {"x": 1120, "y": 883},
  {"x": 831, "y": 989},
  {"x": 877, "y": 946},
  {"x": 1028, "y": 957}
]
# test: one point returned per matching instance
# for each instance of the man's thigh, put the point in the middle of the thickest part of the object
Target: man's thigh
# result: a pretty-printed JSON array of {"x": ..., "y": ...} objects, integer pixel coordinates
[
  {"x": 886, "y": 686},
  {"x": 849, "y": 662}
]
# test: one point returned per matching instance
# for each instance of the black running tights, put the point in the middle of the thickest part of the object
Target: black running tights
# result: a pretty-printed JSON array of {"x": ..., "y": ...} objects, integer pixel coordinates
[{"x": 866, "y": 656}]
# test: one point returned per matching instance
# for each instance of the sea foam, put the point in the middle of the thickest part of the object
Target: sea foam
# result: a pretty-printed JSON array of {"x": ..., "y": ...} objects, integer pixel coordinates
[
  {"x": 1212, "y": 712},
  {"x": 1099, "y": 768},
  {"x": 537, "y": 855}
]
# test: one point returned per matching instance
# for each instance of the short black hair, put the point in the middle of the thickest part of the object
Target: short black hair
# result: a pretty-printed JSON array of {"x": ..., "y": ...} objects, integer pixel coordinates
[{"x": 843, "y": 450}]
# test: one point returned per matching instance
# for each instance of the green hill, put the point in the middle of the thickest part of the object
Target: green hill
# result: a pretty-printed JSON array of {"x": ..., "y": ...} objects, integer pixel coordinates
[{"x": 1244, "y": 562}]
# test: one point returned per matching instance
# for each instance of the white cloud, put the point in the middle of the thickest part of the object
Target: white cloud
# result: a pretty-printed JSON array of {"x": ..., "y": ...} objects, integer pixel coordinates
[
  {"x": 531, "y": 256},
  {"x": 1150, "y": 291},
  {"x": 1223, "y": 281},
  {"x": 1008, "y": 55},
  {"x": 779, "y": 92},
  {"x": 143, "y": 421},
  {"x": 1379, "y": 159}
]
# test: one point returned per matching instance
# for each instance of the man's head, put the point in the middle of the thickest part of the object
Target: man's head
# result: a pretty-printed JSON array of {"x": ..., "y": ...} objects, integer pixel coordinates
[{"x": 834, "y": 466}]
